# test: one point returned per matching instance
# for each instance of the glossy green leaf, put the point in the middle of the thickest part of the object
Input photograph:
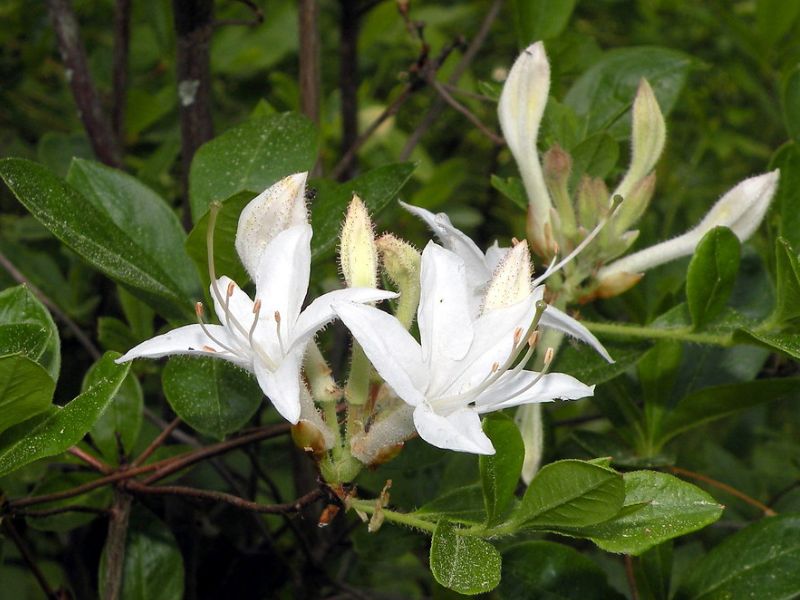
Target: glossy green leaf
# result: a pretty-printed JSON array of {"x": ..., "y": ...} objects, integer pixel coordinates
[
  {"x": 92, "y": 234},
  {"x": 787, "y": 343},
  {"x": 654, "y": 576},
  {"x": 712, "y": 275},
  {"x": 790, "y": 99},
  {"x": 58, "y": 481},
  {"x": 604, "y": 93},
  {"x": 708, "y": 404},
  {"x": 787, "y": 274},
  {"x": 138, "y": 210},
  {"x": 26, "y": 390},
  {"x": 54, "y": 431},
  {"x": 595, "y": 156},
  {"x": 541, "y": 19},
  {"x": 226, "y": 260},
  {"x": 571, "y": 493},
  {"x": 153, "y": 565},
  {"x": 467, "y": 565},
  {"x": 40, "y": 341},
  {"x": 658, "y": 507},
  {"x": 584, "y": 363},
  {"x": 376, "y": 188},
  {"x": 500, "y": 472},
  {"x": 121, "y": 421},
  {"x": 537, "y": 569},
  {"x": 251, "y": 156},
  {"x": 786, "y": 203},
  {"x": 511, "y": 188},
  {"x": 460, "y": 505},
  {"x": 211, "y": 395},
  {"x": 760, "y": 561}
]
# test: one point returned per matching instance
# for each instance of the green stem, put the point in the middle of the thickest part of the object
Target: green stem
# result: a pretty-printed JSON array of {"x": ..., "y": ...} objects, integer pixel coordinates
[{"x": 683, "y": 334}]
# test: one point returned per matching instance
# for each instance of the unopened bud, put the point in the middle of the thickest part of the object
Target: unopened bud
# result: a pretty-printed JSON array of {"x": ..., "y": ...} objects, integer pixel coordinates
[
  {"x": 357, "y": 254},
  {"x": 592, "y": 201},
  {"x": 635, "y": 204},
  {"x": 616, "y": 284},
  {"x": 557, "y": 167},
  {"x": 308, "y": 437},
  {"x": 401, "y": 262}
]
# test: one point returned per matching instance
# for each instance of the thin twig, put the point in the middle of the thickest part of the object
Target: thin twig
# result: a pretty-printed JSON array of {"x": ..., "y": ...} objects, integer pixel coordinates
[
  {"x": 445, "y": 95},
  {"x": 454, "y": 89},
  {"x": 157, "y": 442},
  {"x": 27, "y": 556},
  {"x": 96, "y": 464},
  {"x": 97, "y": 126},
  {"x": 58, "y": 510},
  {"x": 122, "y": 37},
  {"x": 768, "y": 512},
  {"x": 236, "y": 501},
  {"x": 115, "y": 544},
  {"x": 17, "y": 276},
  {"x": 309, "y": 71},
  {"x": 631, "y": 577}
]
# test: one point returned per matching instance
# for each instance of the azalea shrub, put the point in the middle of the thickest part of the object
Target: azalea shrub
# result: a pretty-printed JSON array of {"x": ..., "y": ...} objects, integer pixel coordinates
[{"x": 469, "y": 298}]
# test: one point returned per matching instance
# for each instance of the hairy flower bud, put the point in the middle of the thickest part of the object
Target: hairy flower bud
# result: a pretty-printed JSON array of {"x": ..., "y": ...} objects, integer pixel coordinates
[
  {"x": 357, "y": 254},
  {"x": 557, "y": 168},
  {"x": 401, "y": 262},
  {"x": 511, "y": 282}
]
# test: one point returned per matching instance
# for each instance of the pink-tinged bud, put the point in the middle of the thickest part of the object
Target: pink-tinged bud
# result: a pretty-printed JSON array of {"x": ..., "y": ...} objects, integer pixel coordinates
[{"x": 358, "y": 256}]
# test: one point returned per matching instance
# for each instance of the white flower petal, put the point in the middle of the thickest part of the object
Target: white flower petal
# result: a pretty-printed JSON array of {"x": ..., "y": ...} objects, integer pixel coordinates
[
  {"x": 460, "y": 430},
  {"x": 320, "y": 312},
  {"x": 515, "y": 389},
  {"x": 283, "y": 273},
  {"x": 277, "y": 208},
  {"x": 390, "y": 348},
  {"x": 190, "y": 339},
  {"x": 493, "y": 255},
  {"x": 444, "y": 315},
  {"x": 282, "y": 387},
  {"x": 560, "y": 321},
  {"x": 239, "y": 306}
]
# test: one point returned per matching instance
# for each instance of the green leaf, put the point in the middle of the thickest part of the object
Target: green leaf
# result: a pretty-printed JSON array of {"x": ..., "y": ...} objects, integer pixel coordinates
[
  {"x": 655, "y": 572},
  {"x": 788, "y": 343},
  {"x": 604, "y": 93},
  {"x": 786, "y": 204},
  {"x": 19, "y": 307},
  {"x": 571, "y": 493},
  {"x": 657, "y": 371},
  {"x": 787, "y": 274},
  {"x": 58, "y": 481},
  {"x": 376, "y": 188},
  {"x": 226, "y": 259},
  {"x": 717, "y": 402},
  {"x": 595, "y": 156},
  {"x": 541, "y": 19},
  {"x": 500, "y": 472},
  {"x": 462, "y": 505},
  {"x": 775, "y": 18},
  {"x": 512, "y": 189},
  {"x": 760, "y": 561},
  {"x": 211, "y": 395},
  {"x": 584, "y": 363},
  {"x": 54, "y": 431},
  {"x": 658, "y": 507},
  {"x": 467, "y": 565},
  {"x": 26, "y": 390},
  {"x": 790, "y": 99},
  {"x": 536, "y": 570},
  {"x": 121, "y": 421},
  {"x": 251, "y": 156},
  {"x": 153, "y": 565},
  {"x": 92, "y": 235},
  {"x": 137, "y": 209},
  {"x": 712, "y": 275}
]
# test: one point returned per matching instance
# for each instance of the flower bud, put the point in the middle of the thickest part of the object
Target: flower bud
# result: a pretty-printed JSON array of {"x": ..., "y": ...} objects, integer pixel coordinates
[
  {"x": 592, "y": 201},
  {"x": 614, "y": 285},
  {"x": 357, "y": 254},
  {"x": 385, "y": 437},
  {"x": 279, "y": 207},
  {"x": 309, "y": 437},
  {"x": 634, "y": 204},
  {"x": 401, "y": 262},
  {"x": 520, "y": 110},
  {"x": 529, "y": 421},
  {"x": 318, "y": 373},
  {"x": 557, "y": 167}
]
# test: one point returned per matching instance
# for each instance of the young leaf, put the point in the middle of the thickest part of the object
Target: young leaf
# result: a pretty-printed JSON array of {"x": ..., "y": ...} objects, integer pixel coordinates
[
  {"x": 541, "y": 19},
  {"x": 534, "y": 570},
  {"x": 658, "y": 507},
  {"x": 93, "y": 235},
  {"x": 465, "y": 564},
  {"x": 26, "y": 390},
  {"x": 760, "y": 561},
  {"x": 19, "y": 307},
  {"x": 54, "y": 431},
  {"x": 251, "y": 156},
  {"x": 460, "y": 505},
  {"x": 712, "y": 275},
  {"x": 787, "y": 273},
  {"x": 212, "y": 396},
  {"x": 500, "y": 472},
  {"x": 571, "y": 493}
]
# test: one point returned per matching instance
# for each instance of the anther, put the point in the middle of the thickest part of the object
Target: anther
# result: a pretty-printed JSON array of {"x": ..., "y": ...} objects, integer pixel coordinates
[
  {"x": 199, "y": 310},
  {"x": 231, "y": 289},
  {"x": 209, "y": 349},
  {"x": 495, "y": 366},
  {"x": 514, "y": 241},
  {"x": 548, "y": 356},
  {"x": 517, "y": 335},
  {"x": 256, "y": 312},
  {"x": 533, "y": 338}
]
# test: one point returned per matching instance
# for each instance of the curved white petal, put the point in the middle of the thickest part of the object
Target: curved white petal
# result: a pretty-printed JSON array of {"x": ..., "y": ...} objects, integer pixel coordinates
[
  {"x": 234, "y": 309},
  {"x": 444, "y": 314},
  {"x": 519, "y": 388},
  {"x": 460, "y": 430},
  {"x": 320, "y": 312},
  {"x": 283, "y": 273},
  {"x": 493, "y": 255},
  {"x": 190, "y": 339},
  {"x": 282, "y": 387},
  {"x": 280, "y": 206},
  {"x": 390, "y": 348},
  {"x": 561, "y": 321}
]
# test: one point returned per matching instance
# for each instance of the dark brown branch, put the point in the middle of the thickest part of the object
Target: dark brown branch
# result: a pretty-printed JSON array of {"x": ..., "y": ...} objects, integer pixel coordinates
[
  {"x": 17, "y": 275},
  {"x": 119, "y": 74},
  {"x": 27, "y": 556},
  {"x": 631, "y": 577},
  {"x": 308, "y": 12},
  {"x": 348, "y": 78},
  {"x": 91, "y": 113},
  {"x": 97, "y": 465},
  {"x": 236, "y": 501},
  {"x": 438, "y": 104},
  {"x": 194, "y": 24},
  {"x": 157, "y": 442},
  {"x": 59, "y": 510},
  {"x": 115, "y": 544}
]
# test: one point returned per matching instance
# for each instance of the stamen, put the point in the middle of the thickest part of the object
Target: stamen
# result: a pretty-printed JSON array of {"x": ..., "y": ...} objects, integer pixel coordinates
[
  {"x": 256, "y": 312},
  {"x": 495, "y": 366},
  {"x": 514, "y": 241},
  {"x": 278, "y": 330},
  {"x": 533, "y": 338},
  {"x": 517, "y": 335},
  {"x": 209, "y": 349},
  {"x": 198, "y": 309}
]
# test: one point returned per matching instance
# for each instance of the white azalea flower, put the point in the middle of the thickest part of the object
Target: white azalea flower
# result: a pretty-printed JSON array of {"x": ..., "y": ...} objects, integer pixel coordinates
[
  {"x": 480, "y": 267},
  {"x": 268, "y": 335},
  {"x": 463, "y": 365}
]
